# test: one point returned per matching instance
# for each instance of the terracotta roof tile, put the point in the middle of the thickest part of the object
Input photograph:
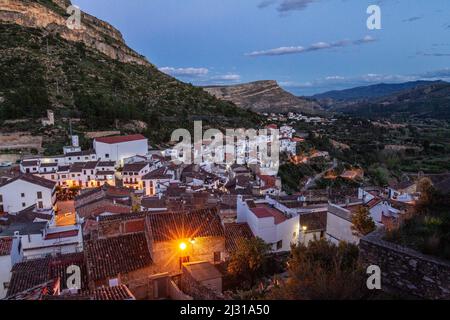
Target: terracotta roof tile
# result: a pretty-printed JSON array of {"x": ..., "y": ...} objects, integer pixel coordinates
[
  {"x": 28, "y": 274},
  {"x": 234, "y": 233},
  {"x": 113, "y": 256},
  {"x": 120, "y": 139},
  {"x": 32, "y": 179},
  {"x": 184, "y": 225}
]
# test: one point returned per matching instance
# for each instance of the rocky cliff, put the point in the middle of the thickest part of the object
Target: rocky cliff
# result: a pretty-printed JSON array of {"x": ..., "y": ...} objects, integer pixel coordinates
[
  {"x": 51, "y": 16},
  {"x": 92, "y": 76},
  {"x": 264, "y": 96}
]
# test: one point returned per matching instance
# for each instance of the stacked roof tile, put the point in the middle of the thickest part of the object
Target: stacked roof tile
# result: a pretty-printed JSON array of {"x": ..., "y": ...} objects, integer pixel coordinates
[{"x": 113, "y": 256}]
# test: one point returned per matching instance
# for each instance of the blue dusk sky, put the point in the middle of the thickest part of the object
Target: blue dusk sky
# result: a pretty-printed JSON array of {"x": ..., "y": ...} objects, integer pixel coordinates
[{"x": 308, "y": 46}]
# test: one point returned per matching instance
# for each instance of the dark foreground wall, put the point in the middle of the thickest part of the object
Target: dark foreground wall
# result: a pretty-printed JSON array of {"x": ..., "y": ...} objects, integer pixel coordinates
[{"x": 406, "y": 271}]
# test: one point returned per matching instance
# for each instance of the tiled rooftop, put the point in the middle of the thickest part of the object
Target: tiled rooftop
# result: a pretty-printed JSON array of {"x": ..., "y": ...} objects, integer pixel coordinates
[
  {"x": 184, "y": 225},
  {"x": 118, "y": 255}
]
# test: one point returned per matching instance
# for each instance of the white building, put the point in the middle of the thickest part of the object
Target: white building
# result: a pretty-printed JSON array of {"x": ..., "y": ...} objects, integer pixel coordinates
[
  {"x": 133, "y": 173},
  {"x": 339, "y": 223},
  {"x": 9, "y": 255},
  {"x": 53, "y": 240},
  {"x": 26, "y": 191},
  {"x": 272, "y": 222},
  {"x": 119, "y": 148}
]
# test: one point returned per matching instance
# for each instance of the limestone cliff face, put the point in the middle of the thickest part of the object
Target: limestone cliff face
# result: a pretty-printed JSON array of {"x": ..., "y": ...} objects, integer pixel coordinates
[
  {"x": 264, "y": 96},
  {"x": 94, "y": 33}
]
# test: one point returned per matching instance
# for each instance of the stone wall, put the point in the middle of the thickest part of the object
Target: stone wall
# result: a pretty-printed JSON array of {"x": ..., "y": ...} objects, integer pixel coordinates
[
  {"x": 196, "y": 290},
  {"x": 406, "y": 271}
]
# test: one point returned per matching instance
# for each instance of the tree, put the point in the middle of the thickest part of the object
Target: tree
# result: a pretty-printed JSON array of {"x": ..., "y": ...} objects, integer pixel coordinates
[
  {"x": 427, "y": 193},
  {"x": 248, "y": 260},
  {"x": 363, "y": 223},
  {"x": 322, "y": 271}
]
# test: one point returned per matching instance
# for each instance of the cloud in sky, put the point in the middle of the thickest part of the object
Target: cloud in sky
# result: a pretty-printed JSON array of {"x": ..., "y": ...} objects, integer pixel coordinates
[
  {"x": 412, "y": 19},
  {"x": 285, "y": 6},
  {"x": 314, "y": 47},
  {"x": 227, "y": 77},
  {"x": 185, "y": 72},
  {"x": 201, "y": 76},
  {"x": 334, "y": 82}
]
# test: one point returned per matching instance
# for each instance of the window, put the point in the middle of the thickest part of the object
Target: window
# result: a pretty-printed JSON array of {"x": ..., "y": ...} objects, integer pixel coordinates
[
  {"x": 22, "y": 195},
  {"x": 107, "y": 155},
  {"x": 70, "y": 159},
  {"x": 5, "y": 285},
  {"x": 39, "y": 195},
  {"x": 217, "y": 256},
  {"x": 1, "y": 208},
  {"x": 24, "y": 204},
  {"x": 279, "y": 245},
  {"x": 40, "y": 205},
  {"x": 1, "y": 198}
]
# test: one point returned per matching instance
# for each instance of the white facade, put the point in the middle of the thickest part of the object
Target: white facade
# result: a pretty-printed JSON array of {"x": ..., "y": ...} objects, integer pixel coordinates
[
  {"x": 53, "y": 241},
  {"x": 20, "y": 194},
  {"x": 339, "y": 225},
  {"x": 119, "y": 151},
  {"x": 280, "y": 235},
  {"x": 7, "y": 261}
]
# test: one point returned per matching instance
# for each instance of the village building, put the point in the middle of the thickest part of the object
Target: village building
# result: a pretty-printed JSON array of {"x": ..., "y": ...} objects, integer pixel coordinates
[
  {"x": 119, "y": 148},
  {"x": 133, "y": 173},
  {"x": 275, "y": 224},
  {"x": 9, "y": 256},
  {"x": 25, "y": 191}
]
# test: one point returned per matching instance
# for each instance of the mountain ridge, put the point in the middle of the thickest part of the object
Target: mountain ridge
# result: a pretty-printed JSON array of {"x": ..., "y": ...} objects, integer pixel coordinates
[
  {"x": 264, "y": 96},
  {"x": 371, "y": 91}
]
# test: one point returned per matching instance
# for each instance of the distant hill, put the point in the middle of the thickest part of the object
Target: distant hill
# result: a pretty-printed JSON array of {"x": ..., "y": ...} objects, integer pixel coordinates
[
  {"x": 264, "y": 96},
  {"x": 92, "y": 75},
  {"x": 370, "y": 92},
  {"x": 430, "y": 100}
]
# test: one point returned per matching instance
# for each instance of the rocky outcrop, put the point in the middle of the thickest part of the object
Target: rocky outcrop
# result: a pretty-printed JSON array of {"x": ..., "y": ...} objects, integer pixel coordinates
[
  {"x": 264, "y": 96},
  {"x": 94, "y": 33}
]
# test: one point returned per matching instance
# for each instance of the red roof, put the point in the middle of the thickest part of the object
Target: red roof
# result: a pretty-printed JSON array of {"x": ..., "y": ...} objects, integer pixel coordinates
[
  {"x": 272, "y": 126},
  {"x": 121, "y": 139},
  {"x": 60, "y": 235},
  {"x": 263, "y": 211},
  {"x": 5, "y": 246}
]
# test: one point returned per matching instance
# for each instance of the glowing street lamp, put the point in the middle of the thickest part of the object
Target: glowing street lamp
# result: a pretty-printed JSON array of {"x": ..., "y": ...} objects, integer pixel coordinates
[{"x": 183, "y": 246}]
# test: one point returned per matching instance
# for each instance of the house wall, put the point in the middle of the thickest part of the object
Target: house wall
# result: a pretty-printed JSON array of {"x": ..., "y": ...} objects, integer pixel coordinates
[
  {"x": 340, "y": 229},
  {"x": 197, "y": 290},
  {"x": 289, "y": 233},
  {"x": 166, "y": 255},
  {"x": 120, "y": 151},
  {"x": 266, "y": 229},
  {"x": 12, "y": 200},
  {"x": 5, "y": 274}
]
